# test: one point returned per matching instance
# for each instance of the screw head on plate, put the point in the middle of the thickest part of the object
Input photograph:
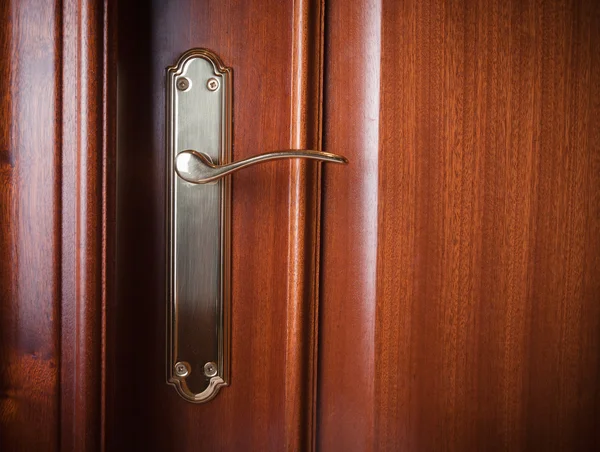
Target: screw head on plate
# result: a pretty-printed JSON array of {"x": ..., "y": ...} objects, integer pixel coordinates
[
  {"x": 212, "y": 84},
  {"x": 183, "y": 83},
  {"x": 210, "y": 369},
  {"x": 182, "y": 369}
]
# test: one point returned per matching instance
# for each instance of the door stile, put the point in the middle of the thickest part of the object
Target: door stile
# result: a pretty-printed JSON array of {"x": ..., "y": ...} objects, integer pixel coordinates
[{"x": 88, "y": 215}]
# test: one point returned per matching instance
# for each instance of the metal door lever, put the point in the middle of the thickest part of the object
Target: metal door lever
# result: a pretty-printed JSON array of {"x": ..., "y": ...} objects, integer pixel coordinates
[{"x": 198, "y": 168}]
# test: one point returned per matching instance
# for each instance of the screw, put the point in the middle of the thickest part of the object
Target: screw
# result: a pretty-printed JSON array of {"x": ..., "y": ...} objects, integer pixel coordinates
[
  {"x": 182, "y": 369},
  {"x": 210, "y": 369},
  {"x": 212, "y": 84},
  {"x": 183, "y": 83}
]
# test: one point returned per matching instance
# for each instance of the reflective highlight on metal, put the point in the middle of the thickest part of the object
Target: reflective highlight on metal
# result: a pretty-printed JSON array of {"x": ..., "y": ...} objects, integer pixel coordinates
[
  {"x": 182, "y": 369},
  {"x": 198, "y": 228},
  {"x": 210, "y": 369}
]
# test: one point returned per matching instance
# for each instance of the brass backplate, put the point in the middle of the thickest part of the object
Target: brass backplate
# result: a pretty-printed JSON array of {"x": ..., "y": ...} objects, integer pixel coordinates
[{"x": 199, "y": 90}]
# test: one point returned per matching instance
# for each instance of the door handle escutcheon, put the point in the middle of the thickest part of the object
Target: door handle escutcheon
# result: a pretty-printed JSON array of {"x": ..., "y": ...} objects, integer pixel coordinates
[
  {"x": 199, "y": 134},
  {"x": 198, "y": 168}
]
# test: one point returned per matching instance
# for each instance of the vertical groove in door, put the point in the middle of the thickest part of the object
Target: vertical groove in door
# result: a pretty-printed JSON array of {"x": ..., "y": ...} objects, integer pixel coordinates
[
  {"x": 87, "y": 212},
  {"x": 304, "y": 212}
]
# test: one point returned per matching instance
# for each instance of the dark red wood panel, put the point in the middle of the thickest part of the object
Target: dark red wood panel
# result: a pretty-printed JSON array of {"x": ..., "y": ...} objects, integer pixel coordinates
[
  {"x": 29, "y": 226},
  {"x": 87, "y": 122},
  {"x": 56, "y": 170},
  {"x": 349, "y": 227},
  {"x": 274, "y": 50},
  {"x": 461, "y": 252}
]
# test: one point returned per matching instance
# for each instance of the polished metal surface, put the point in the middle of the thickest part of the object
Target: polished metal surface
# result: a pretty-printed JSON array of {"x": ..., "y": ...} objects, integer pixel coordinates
[
  {"x": 182, "y": 369},
  {"x": 197, "y": 168},
  {"x": 198, "y": 227},
  {"x": 183, "y": 84},
  {"x": 212, "y": 84},
  {"x": 210, "y": 369}
]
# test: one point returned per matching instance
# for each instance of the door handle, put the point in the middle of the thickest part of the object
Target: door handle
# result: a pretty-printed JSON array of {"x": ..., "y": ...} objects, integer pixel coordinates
[
  {"x": 198, "y": 168},
  {"x": 198, "y": 221}
]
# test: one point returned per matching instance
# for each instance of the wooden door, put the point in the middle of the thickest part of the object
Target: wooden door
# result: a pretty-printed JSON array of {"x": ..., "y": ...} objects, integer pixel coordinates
[
  {"x": 441, "y": 292},
  {"x": 460, "y": 264}
]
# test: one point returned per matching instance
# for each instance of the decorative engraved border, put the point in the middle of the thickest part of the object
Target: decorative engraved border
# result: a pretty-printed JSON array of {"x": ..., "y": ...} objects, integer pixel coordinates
[{"x": 224, "y": 331}]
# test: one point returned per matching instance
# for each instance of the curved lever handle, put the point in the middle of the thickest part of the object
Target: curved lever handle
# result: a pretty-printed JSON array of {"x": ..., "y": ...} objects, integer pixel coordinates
[{"x": 198, "y": 168}]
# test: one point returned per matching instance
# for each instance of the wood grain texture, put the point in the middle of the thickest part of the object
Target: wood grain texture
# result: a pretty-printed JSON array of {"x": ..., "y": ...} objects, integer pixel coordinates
[
  {"x": 54, "y": 238},
  {"x": 349, "y": 228},
  {"x": 29, "y": 226},
  {"x": 276, "y": 62},
  {"x": 477, "y": 327},
  {"x": 87, "y": 210},
  {"x": 304, "y": 226}
]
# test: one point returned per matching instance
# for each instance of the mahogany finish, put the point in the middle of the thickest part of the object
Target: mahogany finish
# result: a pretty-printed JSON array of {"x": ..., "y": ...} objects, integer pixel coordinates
[
  {"x": 459, "y": 274},
  {"x": 29, "y": 227},
  {"x": 56, "y": 238},
  {"x": 460, "y": 288},
  {"x": 274, "y": 48}
]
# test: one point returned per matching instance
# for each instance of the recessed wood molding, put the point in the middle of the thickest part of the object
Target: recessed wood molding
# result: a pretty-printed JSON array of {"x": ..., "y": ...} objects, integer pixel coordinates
[{"x": 57, "y": 236}]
